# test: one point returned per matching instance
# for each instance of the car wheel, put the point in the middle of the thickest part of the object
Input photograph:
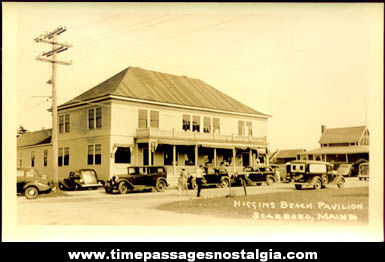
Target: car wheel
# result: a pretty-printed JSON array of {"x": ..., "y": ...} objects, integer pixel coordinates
[
  {"x": 224, "y": 183},
  {"x": 341, "y": 182},
  {"x": 161, "y": 186},
  {"x": 270, "y": 181},
  {"x": 298, "y": 187},
  {"x": 324, "y": 179},
  {"x": 61, "y": 186},
  {"x": 31, "y": 192},
  {"x": 123, "y": 188},
  {"x": 318, "y": 184}
]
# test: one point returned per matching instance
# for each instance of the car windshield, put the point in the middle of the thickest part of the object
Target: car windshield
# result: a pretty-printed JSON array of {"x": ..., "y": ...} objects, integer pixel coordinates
[
  {"x": 89, "y": 177},
  {"x": 344, "y": 168},
  {"x": 31, "y": 173}
]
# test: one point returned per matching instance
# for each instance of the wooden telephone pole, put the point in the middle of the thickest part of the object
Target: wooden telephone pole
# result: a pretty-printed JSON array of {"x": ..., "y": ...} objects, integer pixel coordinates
[{"x": 57, "y": 47}]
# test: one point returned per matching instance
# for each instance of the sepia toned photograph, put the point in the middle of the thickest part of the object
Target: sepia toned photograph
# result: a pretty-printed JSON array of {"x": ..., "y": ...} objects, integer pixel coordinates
[{"x": 192, "y": 121}]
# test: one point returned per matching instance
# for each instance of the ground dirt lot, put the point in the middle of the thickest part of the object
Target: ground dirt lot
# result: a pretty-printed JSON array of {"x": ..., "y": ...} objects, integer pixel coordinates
[{"x": 95, "y": 207}]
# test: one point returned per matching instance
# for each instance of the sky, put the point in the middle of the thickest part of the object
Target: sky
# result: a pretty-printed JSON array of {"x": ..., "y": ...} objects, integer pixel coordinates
[{"x": 306, "y": 65}]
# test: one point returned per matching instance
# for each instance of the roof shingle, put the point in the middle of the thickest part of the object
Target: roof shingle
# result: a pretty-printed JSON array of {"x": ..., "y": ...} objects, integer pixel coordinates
[
  {"x": 134, "y": 82},
  {"x": 35, "y": 138},
  {"x": 342, "y": 135}
]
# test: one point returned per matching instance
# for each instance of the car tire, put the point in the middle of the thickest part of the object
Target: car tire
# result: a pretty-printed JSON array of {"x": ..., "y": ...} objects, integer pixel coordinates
[
  {"x": 341, "y": 182},
  {"x": 123, "y": 188},
  {"x": 298, "y": 187},
  {"x": 61, "y": 186},
  {"x": 161, "y": 185},
  {"x": 270, "y": 181},
  {"x": 31, "y": 192},
  {"x": 324, "y": 179},
  {"x": 318, "y": 184},
  {"x": 224, "y": 183}
]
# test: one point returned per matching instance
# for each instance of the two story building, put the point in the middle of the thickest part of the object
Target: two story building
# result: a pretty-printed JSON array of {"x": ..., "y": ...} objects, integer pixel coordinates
[
  {"x": 142, "y": 117},
  {"x": 347, "y": 144}
]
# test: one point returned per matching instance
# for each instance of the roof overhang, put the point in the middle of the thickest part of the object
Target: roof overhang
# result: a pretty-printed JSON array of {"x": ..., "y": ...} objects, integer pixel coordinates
[{"x": 338, "y": 150}]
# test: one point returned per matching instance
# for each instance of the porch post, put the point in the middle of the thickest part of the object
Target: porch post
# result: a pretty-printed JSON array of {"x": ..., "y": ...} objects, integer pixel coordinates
[
  {"x": 174, "y": 159},
  {"x": 347, "y": 159},
  {"x": 137, "y": 154},
  {"x": 234, "y": 159},
  {"x": 215, "y": 156},
  {"x": 196, "y": 155},
  {"x": 149, "y": 152},
  {"x": 250, "y": 158}
]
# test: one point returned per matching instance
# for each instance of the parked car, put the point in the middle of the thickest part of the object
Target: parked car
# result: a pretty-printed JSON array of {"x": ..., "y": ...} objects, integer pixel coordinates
[
  {"x": 138, "y": 178},
  {"x": 363, "y": 171},
  {"x": 356, "y": 166},
  {"x": 212, "y": 176},
  {"x": 81, "y": 179},
  {"x": 314, "y": 174},
  {"x": 30, "y": 183},
  {"x": 256, "y": 176},
  {"x": 345, "y": 169}
]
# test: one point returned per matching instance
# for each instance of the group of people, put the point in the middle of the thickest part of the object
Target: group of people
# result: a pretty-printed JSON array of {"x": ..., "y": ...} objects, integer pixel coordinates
[{"x": 183, "y": 184}]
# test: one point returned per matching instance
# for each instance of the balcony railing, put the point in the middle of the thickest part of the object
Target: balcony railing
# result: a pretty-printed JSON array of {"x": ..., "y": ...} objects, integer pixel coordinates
[{"x": 173, "y": 134}]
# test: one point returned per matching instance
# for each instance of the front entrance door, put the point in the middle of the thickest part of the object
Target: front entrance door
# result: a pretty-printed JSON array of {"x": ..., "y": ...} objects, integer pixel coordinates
[
  {"x": 245, "y": 159},
  {"x": 145, "y": 157}
]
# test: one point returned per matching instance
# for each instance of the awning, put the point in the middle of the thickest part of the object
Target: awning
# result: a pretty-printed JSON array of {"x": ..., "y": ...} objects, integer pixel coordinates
[{"x": 219, "y": 146}]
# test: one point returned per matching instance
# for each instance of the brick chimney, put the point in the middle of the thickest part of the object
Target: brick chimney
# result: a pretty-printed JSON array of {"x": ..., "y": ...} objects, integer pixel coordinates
[{"x": 323, "y": 129}]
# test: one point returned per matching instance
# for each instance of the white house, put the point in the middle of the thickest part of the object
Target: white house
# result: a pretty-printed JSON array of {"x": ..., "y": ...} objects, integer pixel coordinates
[{"x": 142, "y": 117}]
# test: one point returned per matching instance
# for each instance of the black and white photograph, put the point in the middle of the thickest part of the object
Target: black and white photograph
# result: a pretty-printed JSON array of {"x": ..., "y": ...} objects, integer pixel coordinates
[{"x": 192, "y": 121}]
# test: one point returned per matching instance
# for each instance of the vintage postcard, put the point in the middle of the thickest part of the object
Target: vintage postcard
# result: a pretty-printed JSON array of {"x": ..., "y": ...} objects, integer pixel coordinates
[{"x": 192, "y": 121}]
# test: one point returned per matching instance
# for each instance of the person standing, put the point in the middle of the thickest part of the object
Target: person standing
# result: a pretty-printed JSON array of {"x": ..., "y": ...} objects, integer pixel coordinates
[
  {"x": 184, "y": 178},
  {"x": 199, "y": 180}
]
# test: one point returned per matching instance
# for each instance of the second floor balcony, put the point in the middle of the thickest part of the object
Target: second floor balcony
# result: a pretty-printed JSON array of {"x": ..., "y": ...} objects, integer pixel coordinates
[{"x": 197, "y": 136}]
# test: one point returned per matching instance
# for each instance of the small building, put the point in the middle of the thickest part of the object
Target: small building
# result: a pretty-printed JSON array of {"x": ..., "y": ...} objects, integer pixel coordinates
[
  {"x": 347, "y": 144},
  {"x": 143, "y": 117},
  {"x": 287, "y": 155}
]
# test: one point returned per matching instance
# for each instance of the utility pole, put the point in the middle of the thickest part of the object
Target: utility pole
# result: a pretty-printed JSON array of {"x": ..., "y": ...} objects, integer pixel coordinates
[{"x": 57, "y": 47}]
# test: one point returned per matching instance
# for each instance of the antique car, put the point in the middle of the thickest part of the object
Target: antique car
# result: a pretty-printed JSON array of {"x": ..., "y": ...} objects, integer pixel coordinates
[
  {"x": 30, "y": 183},
  {"x": 256, "y": 176},
  {"x": 212, "y": 176},
  {"x": 138, "y": 178},
  {"x": 345, "y": 169},
  {"x": 81, "y": 179},
  {"x": 314, "y": 174},
  {"x": 363, "y": 171}
]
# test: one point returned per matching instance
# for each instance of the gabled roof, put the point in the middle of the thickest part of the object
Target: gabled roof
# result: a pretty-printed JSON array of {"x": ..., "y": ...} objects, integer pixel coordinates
[
  {"x": 137, "y": 83},
  {"x": 339, "y": 150},
  {"x": 342, "y": 135},
  {"x": 35, "y": 138},
  {"x": 290, "y": 153}
]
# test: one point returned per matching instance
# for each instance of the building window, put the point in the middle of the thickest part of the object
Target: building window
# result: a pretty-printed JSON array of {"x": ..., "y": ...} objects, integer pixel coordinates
[
  {"x": 186, "y": 122},
  {"x": 123, "y": 155},
  {"x": 94, "y": 118},
  {"x": 94, "y": 154},
  {"x": 61, "y": 124},
  {"x": 154, "y": 119},
  {"x": 60, "y": 156},
  {"x": 99, "y": 117},
  {"x": 66, "y": 156},
  {"x": 142, "y": 118},
  {"x": 241, "y": 128},
  {"x": 45, "y": 158},
  {"x": 67, "y": 123},
  {"x": 91, "y": 119},
  {"x": 196, "y": 126},
  {"x": 249, "y": 128},
  {"x": 216, "y": 125},
  {"x": 32, "y": 159},
  {"x": 90, "y": 160},
  {"x": 206, "y": 124}
]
